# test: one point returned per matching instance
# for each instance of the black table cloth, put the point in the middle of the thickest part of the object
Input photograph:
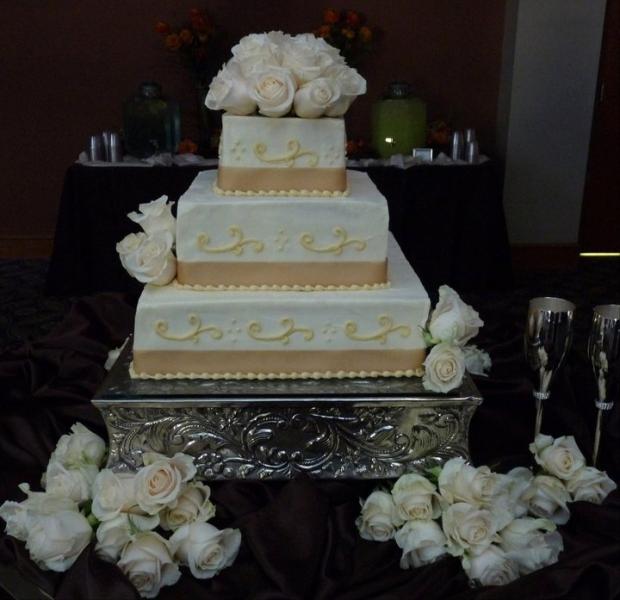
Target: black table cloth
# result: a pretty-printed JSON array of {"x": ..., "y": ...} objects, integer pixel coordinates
[
  {"x": 448, "y": 220},
  {"x": 299, "y": 540}
]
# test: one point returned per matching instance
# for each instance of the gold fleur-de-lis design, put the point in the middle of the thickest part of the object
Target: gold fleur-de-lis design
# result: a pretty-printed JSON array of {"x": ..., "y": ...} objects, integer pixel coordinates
[
  {"x": 307, "y": 241},
  {"x": 255, "y": 331},
  {"x": 289, "y": 158},
  {"x": 197, "y": 329},
  {"x": 387, "y": 327},
  {"x": 236, "y": 247}
]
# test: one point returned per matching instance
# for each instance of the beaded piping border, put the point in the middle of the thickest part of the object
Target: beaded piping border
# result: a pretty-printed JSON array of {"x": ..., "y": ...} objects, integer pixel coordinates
[
  {"x": 419, "y": 372},
  {"x": 281, "y": 288},
  {"x": 301, "y": 193}
]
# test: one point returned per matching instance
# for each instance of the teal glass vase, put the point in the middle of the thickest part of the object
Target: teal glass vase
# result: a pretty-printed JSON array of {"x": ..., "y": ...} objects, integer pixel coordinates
[
  {"x": 398, "y": 121},
  {"x": 151, "y": 122}
]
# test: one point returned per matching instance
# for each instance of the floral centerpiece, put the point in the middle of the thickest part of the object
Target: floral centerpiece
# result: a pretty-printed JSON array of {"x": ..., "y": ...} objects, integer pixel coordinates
[
  {"x": 499, "y": 526},
  {"x": 276, "y": 74},
  {"x": 149, "y": 523}
]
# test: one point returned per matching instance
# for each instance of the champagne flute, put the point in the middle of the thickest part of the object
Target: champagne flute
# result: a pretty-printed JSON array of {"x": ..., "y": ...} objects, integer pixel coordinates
[
  {"x": 548, "y": 336},
  {"x": 604, "y": 354}
]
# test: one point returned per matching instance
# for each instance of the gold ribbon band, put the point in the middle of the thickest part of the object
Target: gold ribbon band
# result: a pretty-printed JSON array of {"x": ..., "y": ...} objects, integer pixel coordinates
[
  {"x": 244, "y": 179},
  {"x": 282, "y": 273},
  {"x": 153, "y": 362}
]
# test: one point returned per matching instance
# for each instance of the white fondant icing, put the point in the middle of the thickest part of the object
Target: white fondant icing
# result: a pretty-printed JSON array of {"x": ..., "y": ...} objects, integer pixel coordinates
[{"x": 363, "y": 214}]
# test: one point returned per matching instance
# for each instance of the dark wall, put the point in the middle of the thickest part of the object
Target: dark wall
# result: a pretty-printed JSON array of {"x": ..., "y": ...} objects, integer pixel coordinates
[{"x": 67, "y": 67}]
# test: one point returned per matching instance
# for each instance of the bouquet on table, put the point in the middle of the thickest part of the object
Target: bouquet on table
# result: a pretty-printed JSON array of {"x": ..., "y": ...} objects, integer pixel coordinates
[
  {"x": 148, "y": 522},
  {"x": 500, "y": 526}
]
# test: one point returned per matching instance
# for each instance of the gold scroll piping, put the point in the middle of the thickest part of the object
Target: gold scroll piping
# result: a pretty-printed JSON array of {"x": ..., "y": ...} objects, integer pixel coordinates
[
  {"x": 307, "y": 241},
  {"x": 387, "y": 327},
  {"x": 255, "y": 331},
  {"x": 236, "y": 247},
  {"x": 289, "y": 158},
  {"x": 197, "y": 329}
]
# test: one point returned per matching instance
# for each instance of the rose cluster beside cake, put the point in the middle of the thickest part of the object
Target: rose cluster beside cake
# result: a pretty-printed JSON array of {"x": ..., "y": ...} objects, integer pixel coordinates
[{"x": 284, "y": 265}]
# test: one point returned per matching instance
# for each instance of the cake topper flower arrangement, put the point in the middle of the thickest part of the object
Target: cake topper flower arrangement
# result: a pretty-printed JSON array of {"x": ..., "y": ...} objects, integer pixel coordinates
[{"x": 278, "y": 74}]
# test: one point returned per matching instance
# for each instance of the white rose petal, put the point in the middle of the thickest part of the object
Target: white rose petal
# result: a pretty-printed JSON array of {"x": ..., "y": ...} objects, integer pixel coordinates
[
  {"x": 468, "y": 528},
  {"x": 112, "y": 537},
  {"x": 422, "y": 542},
  {"x": 519, "y": 480},
  {"x": 155, "y": 217},
  {"x": 205, "y": 549},
  {"x": 379, "y": 519},
  {"x": 273, "y": 90},
  {"x": 452, "y": 320},
  {"x": 477, "y": 361},
  {"x": 314, "y": 98},
  {"x": 590, "y": 485},
  {"x": 490, "y": 567},
  {"x": 444, "y": 368},
  {"x": 147, "y": 562},
  {"x": 228, "y": 91},
  {"x": 547, "y": 497},
  {"x": 76, "y": 483},
  {"x": 351, "y": 84},
  {"x": 560, "y": 457},
  {"x": 113, "y": 494},
  {"x": 152, "y": 261},
  {"x": 56, "y": 540},
  {"x": 531, "y": 543},
  {"x": 258, "y": 51},
  {"x": 80, "y": 447},
  {"x": 113, "y": 355},
  {"x": 415, "y": 497},
  {"x": 192, "y": 505}
]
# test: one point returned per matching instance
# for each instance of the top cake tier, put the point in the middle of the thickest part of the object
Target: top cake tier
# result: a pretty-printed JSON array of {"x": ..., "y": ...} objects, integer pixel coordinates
[{"x": 286, "y": 156}]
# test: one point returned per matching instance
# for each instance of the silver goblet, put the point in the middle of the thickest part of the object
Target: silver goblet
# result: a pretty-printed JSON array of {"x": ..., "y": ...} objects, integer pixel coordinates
[
  {"x": 548, "y": 335},
  {"x": 604, "y": 354}
]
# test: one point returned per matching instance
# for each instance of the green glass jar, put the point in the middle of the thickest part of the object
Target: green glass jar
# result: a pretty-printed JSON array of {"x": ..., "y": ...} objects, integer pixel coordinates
[
  {"x": 151, "y": 123},
  {"x": 398, "y": 121}
]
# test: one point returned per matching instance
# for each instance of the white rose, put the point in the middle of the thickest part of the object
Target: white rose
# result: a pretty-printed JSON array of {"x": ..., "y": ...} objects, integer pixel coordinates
[
  {"x": 519, "y": 480},
  {"x": 205, "y": 549},
  {"x": 113, "y": 355},
  {"x": 273, "y": 90},
  {"x": 56, "y": 540},
  {"x": 259, "y": 50},
  {"x": 315, "y": 97},
  {"x": 147, "y": 562},
  {"x": 152, "y": 261},
  {"x": 379, "y": 518},
  {"x": 468, "y": 528},
  {"x": 309, "y": 57},
  {"x": 422, "y": 542},
  {"x": 590, "y": 485},
  {"x": 80, "y": 447},
  {"x": 16, "y": 514},
  {"x": 531, "y": 543},
  {"x": 193, "y": 504},
  {"x": 415, "y": 497},
  {"x": 351, "y": 84},
  {"x": 76, "y": 484},
  {"x": 560, "y": 457},
  {"x": 228, "y": 91},
  {"x": 547, "y": 497},
  {"x": 155, "y": 216},
  {"x": 452, "y": 320},
  {"x": 158, "y": 483},
  {"x": 490, "y": 567},
  {"x": 444, "y": 368},
  {"x": 477, "y": 361},
  {"x": 114, "y": 535},
  {"x": 113, "y": 494}
]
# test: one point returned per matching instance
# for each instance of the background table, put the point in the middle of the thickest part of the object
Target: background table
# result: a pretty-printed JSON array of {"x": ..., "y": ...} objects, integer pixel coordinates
[{"x": 449, "y": 220}]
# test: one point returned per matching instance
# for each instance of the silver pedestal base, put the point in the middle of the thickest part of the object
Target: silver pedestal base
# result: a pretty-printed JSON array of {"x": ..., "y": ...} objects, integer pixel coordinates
[{"x": 330, "y": 429}]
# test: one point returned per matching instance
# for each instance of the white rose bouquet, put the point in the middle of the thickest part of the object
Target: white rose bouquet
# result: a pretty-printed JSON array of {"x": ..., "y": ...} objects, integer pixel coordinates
[
  {"x": 450, "y": 327},
  {"x": 499, "y": 526},
  {"x": 278, "y": 74},
  {"x": 148, "y": 255},
  {"x": 121, "y": 512}
]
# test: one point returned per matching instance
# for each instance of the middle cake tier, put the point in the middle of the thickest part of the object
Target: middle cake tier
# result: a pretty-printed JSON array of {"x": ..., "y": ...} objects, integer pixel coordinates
[{"x": 284, "y": 242}]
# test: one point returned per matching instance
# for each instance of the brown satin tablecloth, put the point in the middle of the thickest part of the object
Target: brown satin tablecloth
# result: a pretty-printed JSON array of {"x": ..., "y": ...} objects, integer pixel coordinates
[{"x": 299, "y": 540}]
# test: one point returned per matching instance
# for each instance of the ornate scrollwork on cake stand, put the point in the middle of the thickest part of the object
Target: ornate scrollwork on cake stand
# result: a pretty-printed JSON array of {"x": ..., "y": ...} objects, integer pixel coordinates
[{"x": 355, "y": 429}]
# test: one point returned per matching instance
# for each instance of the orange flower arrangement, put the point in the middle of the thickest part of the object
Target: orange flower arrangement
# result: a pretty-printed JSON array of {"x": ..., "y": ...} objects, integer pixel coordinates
[
  {"x": 347, "y": 31},
  {"x": 187, "y": 146}
]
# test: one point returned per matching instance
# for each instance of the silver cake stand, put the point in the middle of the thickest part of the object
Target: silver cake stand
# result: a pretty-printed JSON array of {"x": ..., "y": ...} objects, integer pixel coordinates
[{"x": 329, "y": 429}]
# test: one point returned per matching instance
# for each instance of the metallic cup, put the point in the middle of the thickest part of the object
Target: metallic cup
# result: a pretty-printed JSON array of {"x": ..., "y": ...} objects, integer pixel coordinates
[
  {"x": 95, "y": 148},
  {"x": 604, "y": 354},
  {"x": 456, "y": 146},
  {"x": 115, "y": 150},
  {"x": 105, "y": 137},
  {"x": 471, "y": 152},
  {"x": 548, "y": 336},
  {"x": 470, "y": 135}
]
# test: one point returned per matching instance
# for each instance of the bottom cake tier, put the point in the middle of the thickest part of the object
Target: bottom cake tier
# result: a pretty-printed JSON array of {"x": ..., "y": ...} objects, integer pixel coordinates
[{"x": 276, "y": 334}]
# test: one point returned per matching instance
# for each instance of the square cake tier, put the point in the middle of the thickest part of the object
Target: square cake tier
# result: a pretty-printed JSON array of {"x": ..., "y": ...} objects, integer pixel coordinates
[
  {"x": 276, "y": 241},
  {"x": 284, "y": 334},
  {"x": 290, "y": 154}
]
